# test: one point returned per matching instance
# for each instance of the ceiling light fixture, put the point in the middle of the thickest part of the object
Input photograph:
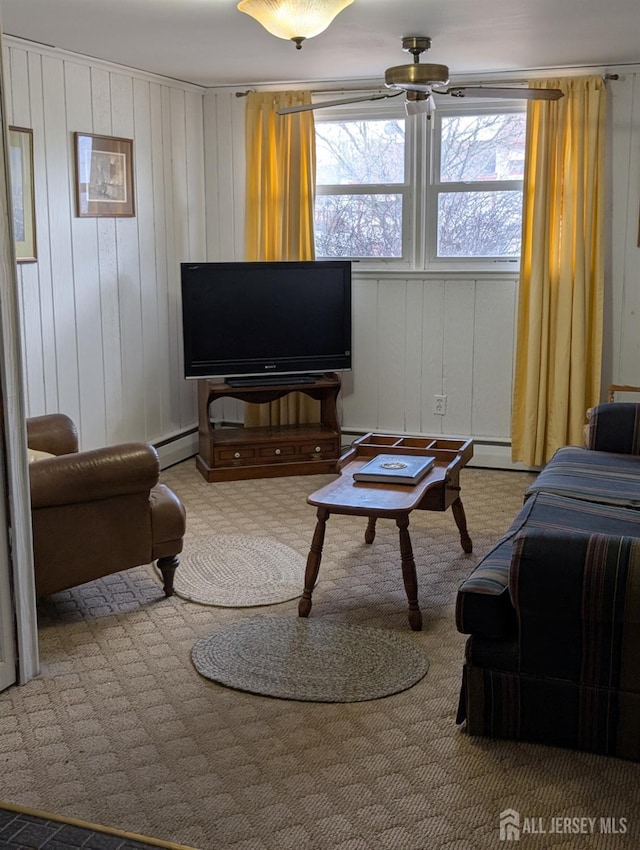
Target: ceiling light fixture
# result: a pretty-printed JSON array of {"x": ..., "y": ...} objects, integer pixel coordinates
[{"x": 295, "y": 20}]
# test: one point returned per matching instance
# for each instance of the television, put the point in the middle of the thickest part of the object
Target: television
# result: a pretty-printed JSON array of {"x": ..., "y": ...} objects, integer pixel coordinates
[{"x": 257, "y": 322}]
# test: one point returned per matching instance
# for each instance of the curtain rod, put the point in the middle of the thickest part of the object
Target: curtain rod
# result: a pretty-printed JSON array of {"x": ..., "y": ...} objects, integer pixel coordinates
[
  {"x": 323, "y": 91},
  {"x": 343, "y": 90}
]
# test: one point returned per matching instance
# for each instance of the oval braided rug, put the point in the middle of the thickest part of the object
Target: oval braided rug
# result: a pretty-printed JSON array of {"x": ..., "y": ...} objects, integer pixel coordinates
[
  {"x": 309, "y": 660},
  {"x": 238, "y": 571}
]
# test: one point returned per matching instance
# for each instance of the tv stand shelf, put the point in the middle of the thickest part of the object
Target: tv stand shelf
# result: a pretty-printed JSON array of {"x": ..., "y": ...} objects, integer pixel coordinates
[{"x": 230, "y": 454}]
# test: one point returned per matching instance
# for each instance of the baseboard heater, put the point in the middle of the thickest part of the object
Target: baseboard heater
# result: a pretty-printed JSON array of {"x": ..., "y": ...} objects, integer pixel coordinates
[{"x": 177, "y": 447}]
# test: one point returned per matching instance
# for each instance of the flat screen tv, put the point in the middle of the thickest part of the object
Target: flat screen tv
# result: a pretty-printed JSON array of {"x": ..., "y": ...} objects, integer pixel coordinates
[{"x": 266, "y": 319}]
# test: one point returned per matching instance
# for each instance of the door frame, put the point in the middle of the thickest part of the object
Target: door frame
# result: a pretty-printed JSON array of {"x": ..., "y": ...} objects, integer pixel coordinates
[{"x": 16, "y": 548}]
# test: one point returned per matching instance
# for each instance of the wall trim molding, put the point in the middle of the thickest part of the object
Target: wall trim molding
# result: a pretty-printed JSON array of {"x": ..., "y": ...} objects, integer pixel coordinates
[
  {"x": 367, "y": 84},
  {"x": 487, "y": 454},
  {"x": 91, "y": 61}
]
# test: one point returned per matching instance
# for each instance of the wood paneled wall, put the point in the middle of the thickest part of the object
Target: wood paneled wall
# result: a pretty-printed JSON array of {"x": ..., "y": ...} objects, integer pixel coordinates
[
  {"x": 100, "y": 308},
  {"x": 422, "y": 336}
]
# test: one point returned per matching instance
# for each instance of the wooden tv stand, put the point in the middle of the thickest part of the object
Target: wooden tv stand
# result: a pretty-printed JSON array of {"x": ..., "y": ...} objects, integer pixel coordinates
[{"x": 230, "y": 454}]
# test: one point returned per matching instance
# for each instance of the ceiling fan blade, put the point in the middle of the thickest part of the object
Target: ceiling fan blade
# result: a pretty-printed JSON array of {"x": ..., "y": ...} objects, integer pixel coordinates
[
  {"x": 502, "y": 92},
  {"x": 306, "y": 107}
]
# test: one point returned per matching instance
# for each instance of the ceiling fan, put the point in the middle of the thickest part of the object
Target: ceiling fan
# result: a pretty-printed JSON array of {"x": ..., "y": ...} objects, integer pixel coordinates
[{"x": 420, "y": 81}]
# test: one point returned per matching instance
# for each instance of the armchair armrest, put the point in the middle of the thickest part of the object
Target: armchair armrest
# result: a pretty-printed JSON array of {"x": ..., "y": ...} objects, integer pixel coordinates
[
  {"x": 576, "y": 596},
  {"x": 614, "y": 427},
  {"x": 54, "y": 433},
  {"x": 92, "y": 475}
]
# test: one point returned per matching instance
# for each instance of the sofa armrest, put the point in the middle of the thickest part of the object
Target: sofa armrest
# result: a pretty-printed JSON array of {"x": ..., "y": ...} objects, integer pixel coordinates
[
  {"x": 614, "y": 427},
  {"x": 97, "y": 474},
  {"x": 577, "y": 600},
  {"x": 54, "y": 433}
]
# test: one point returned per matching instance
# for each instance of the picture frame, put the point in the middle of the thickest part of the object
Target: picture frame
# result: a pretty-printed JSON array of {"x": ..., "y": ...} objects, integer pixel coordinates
[
  {"x": 20, "y": 141},
  {"x": 104, "y": 176}
]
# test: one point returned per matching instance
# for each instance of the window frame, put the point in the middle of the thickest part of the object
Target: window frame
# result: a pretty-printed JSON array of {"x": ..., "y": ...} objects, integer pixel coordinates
[
  {"x": 421, "y": 189},
  {"x": 379, "y": 110},
  {"x": 435, "y": 187}
]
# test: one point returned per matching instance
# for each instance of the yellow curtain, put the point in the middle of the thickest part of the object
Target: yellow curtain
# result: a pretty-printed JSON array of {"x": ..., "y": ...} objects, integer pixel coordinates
[
  {"x": 281, "y": 166},
  {"x": 560, "y": 299}
]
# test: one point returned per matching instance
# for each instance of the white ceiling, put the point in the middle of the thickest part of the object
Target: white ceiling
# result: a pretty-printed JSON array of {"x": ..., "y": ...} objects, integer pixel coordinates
[{"x": 210, "y": 43}]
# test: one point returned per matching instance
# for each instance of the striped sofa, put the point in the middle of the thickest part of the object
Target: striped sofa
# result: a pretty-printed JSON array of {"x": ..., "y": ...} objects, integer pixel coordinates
[{"x": 553, "y": 611}]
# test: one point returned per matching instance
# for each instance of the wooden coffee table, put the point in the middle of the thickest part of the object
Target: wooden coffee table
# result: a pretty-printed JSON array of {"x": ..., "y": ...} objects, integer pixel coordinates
[{"x": 438, "y": 490}]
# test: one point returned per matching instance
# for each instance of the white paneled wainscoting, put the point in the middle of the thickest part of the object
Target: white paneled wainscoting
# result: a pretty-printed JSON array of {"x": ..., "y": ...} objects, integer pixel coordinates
[
  {"x": 421, "y": 339},
  {"x": 418, "y": 336}
]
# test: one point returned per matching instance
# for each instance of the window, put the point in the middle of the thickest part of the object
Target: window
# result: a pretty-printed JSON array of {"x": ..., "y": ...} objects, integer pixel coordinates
[
  {"x": 361, "y": 188},
  {"x": 418, "y": 192},
  {"x": 476, "y": 198}
]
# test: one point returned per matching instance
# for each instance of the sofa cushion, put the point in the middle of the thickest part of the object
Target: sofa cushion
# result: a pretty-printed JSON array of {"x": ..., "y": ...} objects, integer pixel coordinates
[
  {"x": 483, "y": 605},
  {"x": 614, "y": 427},
  {"x": 580, "y": 473}
]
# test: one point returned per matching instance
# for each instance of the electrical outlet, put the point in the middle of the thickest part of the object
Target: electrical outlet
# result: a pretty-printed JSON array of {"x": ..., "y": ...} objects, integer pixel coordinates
[{"x": 440, "y": 404}]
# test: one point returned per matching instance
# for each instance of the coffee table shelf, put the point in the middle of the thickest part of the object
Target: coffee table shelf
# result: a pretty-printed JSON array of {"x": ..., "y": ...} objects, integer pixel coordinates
[{"x": 444, "y": 450}]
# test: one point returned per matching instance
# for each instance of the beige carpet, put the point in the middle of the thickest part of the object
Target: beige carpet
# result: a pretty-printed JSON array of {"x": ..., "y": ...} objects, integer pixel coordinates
[{"x": 121, "y": 730}]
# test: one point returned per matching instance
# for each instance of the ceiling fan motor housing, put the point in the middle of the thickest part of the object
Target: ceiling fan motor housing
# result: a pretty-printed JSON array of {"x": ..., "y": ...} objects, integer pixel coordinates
[{"x": 416, "y": 77}]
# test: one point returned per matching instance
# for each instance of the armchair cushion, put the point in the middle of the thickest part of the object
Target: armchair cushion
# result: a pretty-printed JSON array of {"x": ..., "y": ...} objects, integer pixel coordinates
[{"x": 33, "y": 455}]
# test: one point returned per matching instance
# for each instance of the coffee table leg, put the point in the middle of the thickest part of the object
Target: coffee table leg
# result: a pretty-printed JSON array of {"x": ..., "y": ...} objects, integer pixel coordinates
[
  {"x": 370, "y": 533},
  {"x": 409, "y": 574},
  {"x": 461, "y": 522},
  {"x": 313, "y": 563}
]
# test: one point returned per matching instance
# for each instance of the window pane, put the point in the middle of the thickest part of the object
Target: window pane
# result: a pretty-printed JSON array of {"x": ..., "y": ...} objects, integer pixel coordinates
[
  {"x": 483, "y": 147},
  {"x": 357, "y": 152},
  {"x": 479, "y": 224},
  {"x": 358, "y": 225}
]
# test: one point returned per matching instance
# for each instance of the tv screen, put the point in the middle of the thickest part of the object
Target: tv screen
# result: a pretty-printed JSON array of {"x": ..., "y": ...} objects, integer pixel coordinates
[{"x": 266, "y": 318}]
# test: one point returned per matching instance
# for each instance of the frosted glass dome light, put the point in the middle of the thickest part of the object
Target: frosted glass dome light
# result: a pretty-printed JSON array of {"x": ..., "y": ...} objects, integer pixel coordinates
[{"x": 294, "y": 20}]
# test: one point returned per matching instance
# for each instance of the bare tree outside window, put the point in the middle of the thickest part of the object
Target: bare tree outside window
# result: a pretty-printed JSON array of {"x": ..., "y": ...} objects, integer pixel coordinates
[
  {"x": 360, "y": 183},
  {"x": 471, "y": 160},
  {"x": 479, "y": 205},
  {"x": 479, "y": 224}
]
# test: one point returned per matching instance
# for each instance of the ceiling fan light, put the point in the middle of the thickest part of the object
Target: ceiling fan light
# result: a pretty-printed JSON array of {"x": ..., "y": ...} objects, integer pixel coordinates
[
  {"x": 418, "y": 102},
  {"x": 294, "y": 20}
]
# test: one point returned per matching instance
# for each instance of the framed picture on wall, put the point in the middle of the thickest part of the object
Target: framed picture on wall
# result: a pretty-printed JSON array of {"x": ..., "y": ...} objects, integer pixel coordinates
[
  {"x": 22, "y": 194},
  {"x": 104, "y": 176}
]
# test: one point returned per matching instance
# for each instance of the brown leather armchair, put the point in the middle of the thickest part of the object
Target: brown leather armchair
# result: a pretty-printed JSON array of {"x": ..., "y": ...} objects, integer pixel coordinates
[{"x": 98, "y": 512}]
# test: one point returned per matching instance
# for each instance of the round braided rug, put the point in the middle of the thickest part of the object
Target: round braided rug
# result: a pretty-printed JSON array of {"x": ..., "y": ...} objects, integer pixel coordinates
[
  {"x": 309, "y": 660},
  {"x": 239, "y": 571}
]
